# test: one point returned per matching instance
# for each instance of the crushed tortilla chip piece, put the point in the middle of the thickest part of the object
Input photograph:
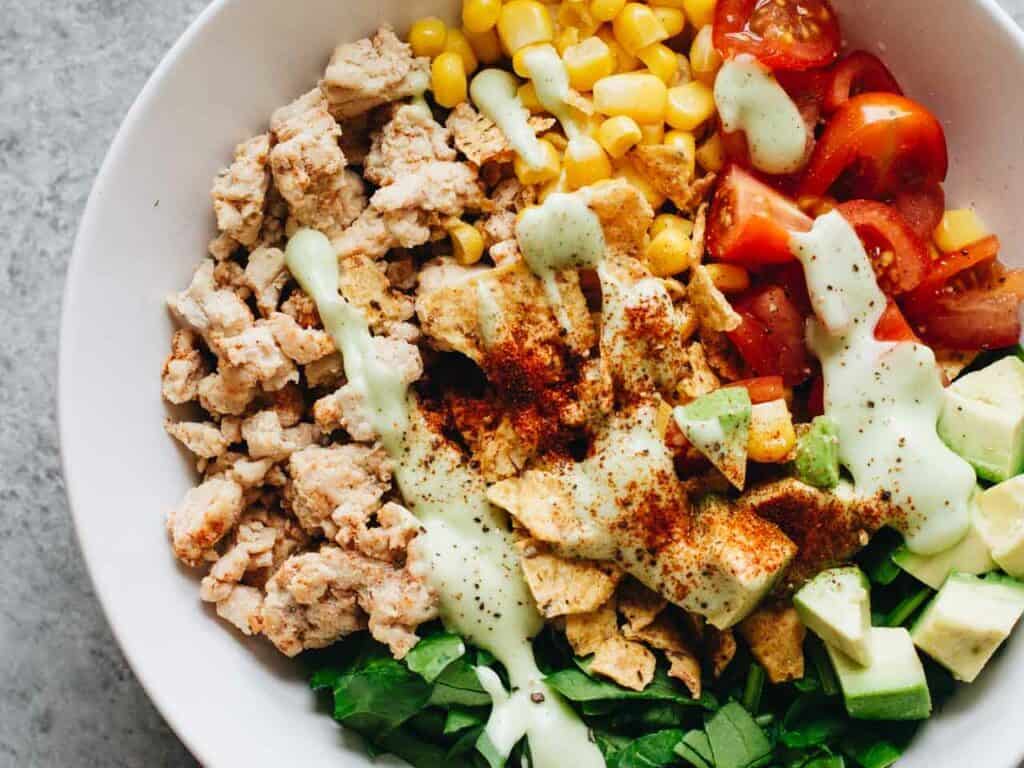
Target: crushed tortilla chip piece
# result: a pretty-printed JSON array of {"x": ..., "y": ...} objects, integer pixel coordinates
[
  {"x": 776, "y": 635},
  {"x": 629, "y": 664},
  {"x": 700, "y": 379},
  {"x": 587, "y": 632},
  {"x": 662, "y": 634},
  {"x": 715, "y": 311},
  {"x": 541, "y": 503},
  {"x": 639, "y": 605},
  {"x": 564, "y": 587},
  {"x": 624, "y": 213},
  {"x": 480, "y": 140},
  {"x": 720, "y": 648},
  {"x": 685, "y": 667},
  {"x": 669, "y": 170}
]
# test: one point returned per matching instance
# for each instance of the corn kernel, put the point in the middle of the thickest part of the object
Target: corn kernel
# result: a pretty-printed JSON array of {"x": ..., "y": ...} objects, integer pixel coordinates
[
  {"x": 467, "y": 243},
  {"x": 565, "y": 39},
  {"x": 486, "y": 46},
  {"x": 689, "y": 106},
  {"x": 772, "y": 437},
  {"x": 678, "y": 4},
  {"x": 558, "y": 141},
  {"x": 528, "y": 95},
  {"x": 585, "y": 163},
  {"x": 640, "y": 96},
  {"x": 815, "y": 206},
  {"x": 700, "y": 13},
  {"x": 665, "y": 221},
  {"x": 551, "y": 187},
  {"x": 519, "y": 60},
  {"x": 625, "y": 170},
  {"x": 637, "y": 27},
  {"x": 480, "y": 15},
  {"x": 606, "y": 10},
  {"x": 619, "y": 134},
  {"x": 591, "y": 126},
  {"x": 457, "y": 42},
  {"x": 546, "y": 171},
  {"x": 958, "y": 229},
  {"x": 683, "y": 140},
  {"x": 652, "y": 133},
  {"x": 729, "y": 278},
  {"x": 672, "y": 19},
  {"x": 624, "y": 60},
  {"x": 427, "y": 36},
  {"x": 448, "y": 79},
  {"x": 668, "y": 253},
  {"x": 588, "y": 62},
  {"x": 576, "y": 14},
  {"x": 661, "y": 61},
  {"x": 711, "y": 154},
  {"x": 705, "y": 60},
  {"x": 523, "y": 23}
]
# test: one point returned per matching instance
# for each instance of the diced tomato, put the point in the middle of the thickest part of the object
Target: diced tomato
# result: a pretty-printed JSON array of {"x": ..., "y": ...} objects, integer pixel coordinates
[
  {"x": 949, "y": 265},
  {"x": 790, "y": 277},
  {"x": 816, "y": 396},
  {"x": 876, "y": 145},
  {"x": 897, "y": 254},
  {"x": 750, "y": 222},
  {"x": 782, "y": 34},
  {"x": 859, "y": 72},
  {"x": 893, "y": 326},
  {"x": 771, "y": 338},
  {"x": 762, "y": 389},
  {"x": 922, "y": 208}
]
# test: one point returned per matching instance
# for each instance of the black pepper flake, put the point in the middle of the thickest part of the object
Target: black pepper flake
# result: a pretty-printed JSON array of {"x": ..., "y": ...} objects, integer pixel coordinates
[{"x": 537, "y": 697}]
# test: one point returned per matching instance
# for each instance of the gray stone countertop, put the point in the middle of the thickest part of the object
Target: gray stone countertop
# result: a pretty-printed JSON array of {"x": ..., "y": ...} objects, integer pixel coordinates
[{"x": 67, "y": 76}]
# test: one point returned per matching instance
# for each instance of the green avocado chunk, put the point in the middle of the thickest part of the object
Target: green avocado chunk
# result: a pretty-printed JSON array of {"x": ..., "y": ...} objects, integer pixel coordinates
[
  {"x": 718, "y": 425},
  {"x": 835, "y": 605},
  {"x": 817, "y": 454}
]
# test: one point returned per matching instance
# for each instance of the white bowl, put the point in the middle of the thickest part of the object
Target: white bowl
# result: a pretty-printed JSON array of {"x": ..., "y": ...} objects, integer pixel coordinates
[{"x": 236, "y": 702}]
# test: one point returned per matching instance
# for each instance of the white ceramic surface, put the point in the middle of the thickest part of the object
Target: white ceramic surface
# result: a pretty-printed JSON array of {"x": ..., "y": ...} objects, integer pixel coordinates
[{"x": 235, "y": 702}]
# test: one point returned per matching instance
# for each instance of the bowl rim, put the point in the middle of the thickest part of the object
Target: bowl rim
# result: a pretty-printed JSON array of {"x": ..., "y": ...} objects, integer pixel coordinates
[{"x": 172, "y": 715}]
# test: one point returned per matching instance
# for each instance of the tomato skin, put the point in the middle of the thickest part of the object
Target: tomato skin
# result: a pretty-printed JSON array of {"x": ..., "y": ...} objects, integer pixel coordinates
[
  {"x": 893, "y": 326},
  {"x": 949, "y": 265},
  {"x": 771, "y": 336},
  {"x": 858, "y": 72},
  {"x": 762, "y": 389},
  {"x": 782, "y": 34},
  {"x": 880, "y": 143},
  {"x": 882, "y": 228},
  {"x": 750, "y": 222},
  {"x": 922, "y": 207}
]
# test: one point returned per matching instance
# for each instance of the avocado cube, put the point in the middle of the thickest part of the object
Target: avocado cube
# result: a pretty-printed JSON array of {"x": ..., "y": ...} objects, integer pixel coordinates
[
  {"x": 817, "y": 454},
  {"x": 972, "y": 555},
  {"x": 892, "y": 686},
  {"x": 968, "y": 620},
  {"x": 1002, "y": 524},
  {"x": 718, "y": 425},
  {"x": 836, "y": 606},
  {"x": 983, "y": 419}
]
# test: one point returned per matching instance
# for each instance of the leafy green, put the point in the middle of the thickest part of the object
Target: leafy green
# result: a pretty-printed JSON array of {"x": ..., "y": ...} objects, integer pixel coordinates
[
  {"x": 416, "y": 752},
  {"x": 822, "y": 666},
  {"x": 876, "y": 558},
  {"x": 907, "y": 607},
  {"x": 433, "y": 654},
  {"x": 753, "y": 688},
  {"x": 461, "y": 718},
  {"x": 379, "y": 697},
  {"x": 812, "y": 720},
  {"x": 869, "y": 751},
  {"x": 466, "y": 742},
  {"x": 651, "y": 751},
  {"x": 577, "y": 686},
  {"x": 490, "y": 753},
  {"x": 736, "y": 740},
  {"x": 695, "y": 748},
  {"x": 459, "y": 685}
]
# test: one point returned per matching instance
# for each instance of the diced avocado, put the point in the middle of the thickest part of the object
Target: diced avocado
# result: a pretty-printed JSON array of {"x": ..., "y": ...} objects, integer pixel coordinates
[
  {"x": 817, "y": 454},
  {"x": 718, "y": 426},
  {"x": 836, "y": 606},
  {"x": 968, "y": 620},
  {"x": 972, "y": 555},
  {"x": 983, "y": 419},
  {"x": 892, "y": 687},
  {"x": 1001, "y": 510}
]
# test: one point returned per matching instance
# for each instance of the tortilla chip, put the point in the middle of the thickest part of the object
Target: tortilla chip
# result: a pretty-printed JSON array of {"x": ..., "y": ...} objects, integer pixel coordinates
[
  {"x": 480, "y": 140},
  {"x": 776, "y": 635},
  {"x": 720, "y": 649},
  {"x": 627, "y": 663},
  {"x": 685, "y": 667},
  {"x": 564, "y": 587},
  {"x": 669, "y": 170},
  {"x": 639, "y": 605},
  {"x": 662, "y": 634},
  {"x": 541, "y": 503},
  {"x": 700, "y": 379},
  {"x": 715, "y": 311},
  {"x": 587, "y": 632},
  {"x": 625, "y": 215}
]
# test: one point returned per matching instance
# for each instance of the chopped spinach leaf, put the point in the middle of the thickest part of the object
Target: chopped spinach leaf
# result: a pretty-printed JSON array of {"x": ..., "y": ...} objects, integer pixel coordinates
[
  {"x": 433, "y": 654},
  {"x": 907, "y": 607},
  {"x": 458, "y": 685},
  {"x": 736, "y": 740},
  {"x": 695, "y": 748},
  {"x": 379, "y": 697},
  {"x": 876, "y": 559},
  {"x": 651, "y": 751},
  {"x": 577, "y": 686},
  {"x": 461, "y": 718},
  {"x": 753, "y": 688}
]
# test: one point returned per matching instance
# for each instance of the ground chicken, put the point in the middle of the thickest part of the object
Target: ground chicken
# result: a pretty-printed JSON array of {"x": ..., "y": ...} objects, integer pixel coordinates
[
  {"x": 183, "y": 369},
  {"x": 267, "y": 439},
  {"x": 207, "y": 513},
  {"x": 412, "y": 137},
  {"x": 266, "y": 277},
  {"x": 256, "y": 350},
  {"x": 204, "y": 439},
  {"x": 239, "y": 191},
  {"x": 302, "y": 345}
]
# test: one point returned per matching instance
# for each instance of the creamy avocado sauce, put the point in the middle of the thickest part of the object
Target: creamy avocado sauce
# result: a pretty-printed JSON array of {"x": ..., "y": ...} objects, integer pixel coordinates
[
  {"x": 749, "y": 99},
  {"x": 884, "y": 397},
  {"x": 551, "y": 82},
  {"x": 495, "y": 93},
  {"x": 473, "y": 563}
]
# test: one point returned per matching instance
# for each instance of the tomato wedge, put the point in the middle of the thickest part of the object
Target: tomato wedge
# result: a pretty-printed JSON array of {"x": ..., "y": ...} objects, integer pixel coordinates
[
  {"x": 949, "y": 265},
  {"x": 899, "y": 257},
  {"x": 770, "y": 339},
  {"x": 750, "y": 222},
  {"x": 762, "y": 389},
  {"x": 782, "y": 34},
  {"x": 893, "y": 326},
  {"x": 876, "y": 145},
  {"x": 922, "y": 208},
  {"x": 859, "y": 72}
]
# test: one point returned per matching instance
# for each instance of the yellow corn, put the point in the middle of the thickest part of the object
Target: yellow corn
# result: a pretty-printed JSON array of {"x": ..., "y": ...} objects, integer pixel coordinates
[
  {"x": 729, "y": 278},
  {"x": 705, "y": 61},
  {"x": 448, "y": 79},
  {"x": 672, "y": 19},
  {"x": 637, "y": 27},
  {"x": 624, "y": 60},
  {"x": 588, "y": 62},
  {"x": 661, "y": 61},
  {"x": 480, "y": 15},
  {"x": 528, "y": 95},
  {"x": 486, "y": 45},
  {"x": 652, "y": 133},
  {"x": 585, "y": 163},
  {"x": 591, "y": 125},
  {"x": 548, "y": 170},
  {"x": 958, "y": 229},
  {"x": 558, "y": 184},
  {"x": 640, "y": 96},
  {"x": 606, "y": 10},
  {"x": 557, "y": 140},
  {"x": 772, "y": 437},
  {"x": 467, "y": 243},
  {"x": 683, "y": 140},
  {"x": 665, "y": 221},
  {"x": 625, "y": 170},
  {"x": 565, "y": 39},
  {"x": 457, "y": 42},
  {"x": 670, "y": 4},
  {"x": 689, "y": 105},
  {"x": 668, "y": 253},
  {"x": 576, "y": 14},
  {"x": 619, "y": 134},
  {"x": 711, "y": 154},
  {"x": 699, "y": 12},
  {"x": 523, "y": 23},
  {"x": 519, "y": 59},
  {"x": 427, "y": 36}
]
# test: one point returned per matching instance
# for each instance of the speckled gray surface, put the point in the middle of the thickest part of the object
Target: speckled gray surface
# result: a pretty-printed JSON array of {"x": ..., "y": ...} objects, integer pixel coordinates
[{"x": 69, "y": 70}]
